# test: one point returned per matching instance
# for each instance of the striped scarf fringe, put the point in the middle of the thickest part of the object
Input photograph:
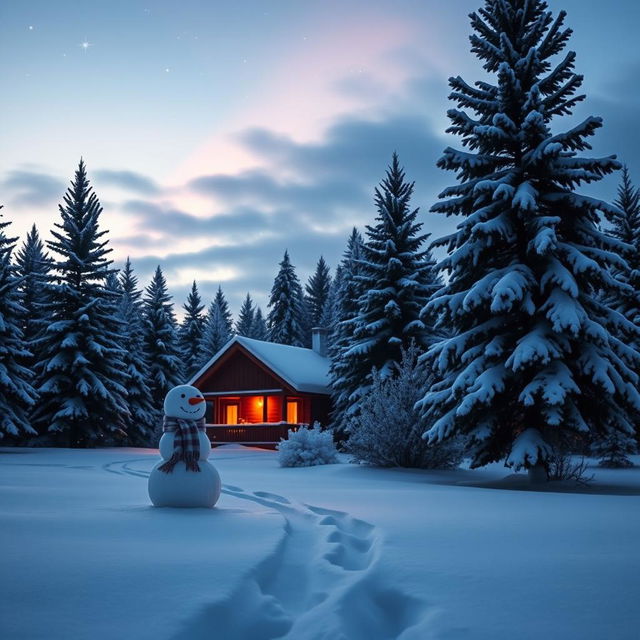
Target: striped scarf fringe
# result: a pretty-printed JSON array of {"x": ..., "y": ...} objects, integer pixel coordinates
[{"x": 186, "y": 444}]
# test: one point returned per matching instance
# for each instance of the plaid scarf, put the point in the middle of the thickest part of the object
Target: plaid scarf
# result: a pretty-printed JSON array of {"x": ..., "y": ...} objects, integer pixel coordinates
[{"x": 186, "y": 445}]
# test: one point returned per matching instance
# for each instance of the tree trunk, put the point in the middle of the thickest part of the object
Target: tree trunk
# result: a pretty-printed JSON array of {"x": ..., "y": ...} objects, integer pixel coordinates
[{"x": 537, "y": 473}]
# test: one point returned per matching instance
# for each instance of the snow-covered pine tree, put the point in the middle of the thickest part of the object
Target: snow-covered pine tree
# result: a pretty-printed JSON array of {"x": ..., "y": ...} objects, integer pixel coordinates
[
  {"x": 329, "y": 317},
  {"x": 191, "y": 332},
  {"x": 160, "y": 339},
  {"x": 33, "y": 266},
  {"x": 17, "y": 396},
  {"x": 536, "y": 355},
  {"x": 317, "y": 292},
  {"x": 616, "y": 446},
  {"x": 395, "y": 283},
  {"x": 286, "y": 321},
  {"x": 626, "y": 227},
  {"x": 81, "y": 378},
  {"x": 259, "y": 329},
  {"x": 143, "y": 417},
  {"x": 346, "y": 310},
  {"x": 245, "y": 321},
  {"x": 217, "y": 327}
]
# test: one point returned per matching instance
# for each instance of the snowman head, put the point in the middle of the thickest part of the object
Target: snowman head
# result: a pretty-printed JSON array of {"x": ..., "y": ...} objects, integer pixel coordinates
[{"x": 184, "y": 402}]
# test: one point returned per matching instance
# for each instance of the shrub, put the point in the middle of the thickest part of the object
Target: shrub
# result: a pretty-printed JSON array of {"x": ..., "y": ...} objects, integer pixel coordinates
[
  {"x": 307, "y": 447},
  {"x": 387, "y": 431}
]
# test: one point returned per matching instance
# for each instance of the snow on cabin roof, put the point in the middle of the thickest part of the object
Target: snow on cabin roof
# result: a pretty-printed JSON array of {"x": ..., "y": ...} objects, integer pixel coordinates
[{"x": 303, "y": 369}]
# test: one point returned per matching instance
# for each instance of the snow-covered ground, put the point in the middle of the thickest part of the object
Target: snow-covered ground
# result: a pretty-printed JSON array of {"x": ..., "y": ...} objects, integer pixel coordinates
[{"x": 334, "y": 552}]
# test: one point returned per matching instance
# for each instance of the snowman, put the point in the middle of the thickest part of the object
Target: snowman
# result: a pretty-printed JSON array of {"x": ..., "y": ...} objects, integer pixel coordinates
[{"x": 184, "y": 478}]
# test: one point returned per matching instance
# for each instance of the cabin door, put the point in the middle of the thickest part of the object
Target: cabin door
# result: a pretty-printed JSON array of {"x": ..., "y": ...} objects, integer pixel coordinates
[
  {"x": 231, "y": 414},
  {"x": 292, "y": 411}
]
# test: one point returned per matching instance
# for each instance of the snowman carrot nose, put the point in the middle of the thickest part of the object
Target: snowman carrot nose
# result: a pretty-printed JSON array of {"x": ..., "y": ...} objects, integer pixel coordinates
[{"x": 196, "y": 400}]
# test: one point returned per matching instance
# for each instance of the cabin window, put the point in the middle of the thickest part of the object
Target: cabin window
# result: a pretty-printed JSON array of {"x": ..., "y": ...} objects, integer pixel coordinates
[{"x": 292, "y": 411}]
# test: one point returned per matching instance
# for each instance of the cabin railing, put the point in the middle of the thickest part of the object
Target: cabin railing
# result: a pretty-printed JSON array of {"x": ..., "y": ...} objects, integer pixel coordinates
[{"x": 267, "y": 433}]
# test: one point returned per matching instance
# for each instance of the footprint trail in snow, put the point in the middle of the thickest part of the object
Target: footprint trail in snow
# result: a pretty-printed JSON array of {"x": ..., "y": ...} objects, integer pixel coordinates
[{"x": 319, "y": 583}]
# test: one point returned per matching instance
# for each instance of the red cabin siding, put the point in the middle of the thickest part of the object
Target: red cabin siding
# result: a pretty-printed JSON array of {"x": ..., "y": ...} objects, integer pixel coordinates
[{"x": 236, "y": 371}]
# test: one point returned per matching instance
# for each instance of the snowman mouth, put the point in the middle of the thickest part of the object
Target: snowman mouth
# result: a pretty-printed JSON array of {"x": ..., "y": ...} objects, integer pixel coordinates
[{"x": 194, "y": 411}]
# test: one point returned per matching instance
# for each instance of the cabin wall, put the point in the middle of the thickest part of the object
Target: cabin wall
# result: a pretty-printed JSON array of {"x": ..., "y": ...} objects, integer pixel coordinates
[
  {"x": 250, "y": 408},
  {"x": 237, "y": 373},
  {"x": 274, "y": 409}
]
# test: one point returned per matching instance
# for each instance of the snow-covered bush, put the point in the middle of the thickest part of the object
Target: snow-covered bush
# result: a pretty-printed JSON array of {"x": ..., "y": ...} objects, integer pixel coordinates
[
  {"x": 387, "y": 432},
  {"x": 307, "y": 447}
]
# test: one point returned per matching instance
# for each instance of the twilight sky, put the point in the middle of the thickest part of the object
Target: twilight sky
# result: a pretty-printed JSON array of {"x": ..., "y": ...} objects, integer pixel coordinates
[{"x": 218, "y": 134}]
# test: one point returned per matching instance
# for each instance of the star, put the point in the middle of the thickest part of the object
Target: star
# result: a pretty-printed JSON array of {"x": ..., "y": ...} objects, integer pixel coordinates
[
  {"x": 167, "y": 70},
  {"x": 30, "y": 27},
  {"x": 85, "y": 45}
]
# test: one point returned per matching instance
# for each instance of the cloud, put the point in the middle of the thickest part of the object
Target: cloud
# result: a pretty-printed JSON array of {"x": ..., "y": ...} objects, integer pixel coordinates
[
  {"x": 174, "y": 222},
  {"x": 357, "y": 151},
  {"x": 318, "y": 200},
  {"x": 305, "y": 199},
  {"x": 128, "y": 180},
  {"x": 33, "y": 188}
]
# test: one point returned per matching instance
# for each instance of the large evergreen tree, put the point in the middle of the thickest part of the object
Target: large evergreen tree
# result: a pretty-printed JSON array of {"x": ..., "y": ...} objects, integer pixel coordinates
[
  {"x": 395, "y": 282},
  {"x": 317, "y": 292},
  {"x": 217, "y": 328},
  {"x": 191, "y": 332},
  {"x": 17, "y": 396},
  {"x": 81, "y": 378},
  {"x": 33, "y": 266},
  {"x": 143, "y": 417},
  {"x": 244, "y": 325},
  {"x": 536, "y": 356},
  {"x": 160, "y": 340},
  {"x": 286, "y": 318}
]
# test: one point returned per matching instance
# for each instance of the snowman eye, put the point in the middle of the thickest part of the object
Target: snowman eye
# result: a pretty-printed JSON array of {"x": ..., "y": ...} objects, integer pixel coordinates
[{"x": 182, "y": 396}]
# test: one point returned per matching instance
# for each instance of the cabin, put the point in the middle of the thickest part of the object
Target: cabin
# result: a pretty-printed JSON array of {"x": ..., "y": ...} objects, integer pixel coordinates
[{"x": 256, "y": 391}]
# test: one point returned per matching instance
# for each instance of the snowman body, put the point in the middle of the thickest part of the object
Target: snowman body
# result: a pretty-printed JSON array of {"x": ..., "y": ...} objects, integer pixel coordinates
[{"x": 182, "y": 487}]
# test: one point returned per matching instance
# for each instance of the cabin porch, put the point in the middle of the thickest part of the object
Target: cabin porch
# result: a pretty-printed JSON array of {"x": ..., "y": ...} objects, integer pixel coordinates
[{"x": 257, "y": 418}]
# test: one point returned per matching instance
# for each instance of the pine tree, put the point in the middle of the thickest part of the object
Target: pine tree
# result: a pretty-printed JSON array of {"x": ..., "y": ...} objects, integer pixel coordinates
[
  {"x": 217, "y": 328},
  {"x": 626, "y": 227},
  {"x": 160, "y": 340},
  {"x": 143, "y": 417},
  {"x": 17, "y": 396},
  {"x": 81, "y": 377},
  {"x": 33, "y": 266},
  {"x": 614, "y": 448},
  {"x": 394, "y": 281},
  {"x": 191, "y": 332},
  {"x": 536, "y": 357},
  {"x": 317, "y": 290},
  {"x": 346, "y": 310},
  {"x": 245, "y": 322},
  {"x": 329, "y": 318},
  {"x": 285, "y": 321},
  {"x": 259, "y": 329}
]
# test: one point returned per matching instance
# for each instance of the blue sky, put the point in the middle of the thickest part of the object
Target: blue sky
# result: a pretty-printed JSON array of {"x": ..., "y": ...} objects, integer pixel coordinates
[{"x": 219, "y": 134}]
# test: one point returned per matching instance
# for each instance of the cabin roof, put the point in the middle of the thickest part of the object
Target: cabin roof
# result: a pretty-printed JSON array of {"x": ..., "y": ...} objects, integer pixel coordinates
[{"x": 303, "y": 369}]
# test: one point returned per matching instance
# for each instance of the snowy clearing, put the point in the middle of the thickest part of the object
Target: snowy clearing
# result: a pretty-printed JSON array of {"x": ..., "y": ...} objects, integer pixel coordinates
[{"x": 331, "y": 552}]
